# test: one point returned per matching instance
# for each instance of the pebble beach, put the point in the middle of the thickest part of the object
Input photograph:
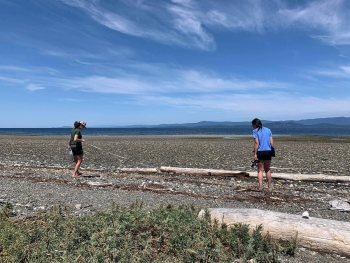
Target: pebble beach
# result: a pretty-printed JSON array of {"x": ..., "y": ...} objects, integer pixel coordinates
[{"x": 36, "y": 175}]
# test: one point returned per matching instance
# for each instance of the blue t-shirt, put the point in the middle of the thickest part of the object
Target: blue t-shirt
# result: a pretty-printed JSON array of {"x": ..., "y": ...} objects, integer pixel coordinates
[{"x": 263, "y": 136}]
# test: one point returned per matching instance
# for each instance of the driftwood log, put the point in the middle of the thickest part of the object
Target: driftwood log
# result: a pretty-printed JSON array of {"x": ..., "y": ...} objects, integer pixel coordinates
[
  {"x": 308, "y": 177},
  {"x": 282, "y": 176},
  {"x": 318, "y": 234},
  {"x": 208, "y": 172},
  {"x": 139, "y": 170},
  {"x": 229, "y": 173}
]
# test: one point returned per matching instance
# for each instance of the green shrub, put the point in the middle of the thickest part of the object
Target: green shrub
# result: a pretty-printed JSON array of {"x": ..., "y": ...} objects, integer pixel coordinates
[{"x": 132, "y": 234}]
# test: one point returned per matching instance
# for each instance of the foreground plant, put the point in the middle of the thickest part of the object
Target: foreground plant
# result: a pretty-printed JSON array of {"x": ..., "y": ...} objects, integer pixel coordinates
[{"x": 132, "y": 234}]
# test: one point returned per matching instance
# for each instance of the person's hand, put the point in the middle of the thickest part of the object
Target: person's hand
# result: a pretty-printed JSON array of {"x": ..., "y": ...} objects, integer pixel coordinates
[
  {"x": 82, "y": 140},
  {"x": 255, "y": 157}
]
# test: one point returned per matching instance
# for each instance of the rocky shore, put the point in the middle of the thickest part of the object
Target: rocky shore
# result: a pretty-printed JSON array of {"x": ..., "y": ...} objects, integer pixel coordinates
[{"x": 36, "y": 175}]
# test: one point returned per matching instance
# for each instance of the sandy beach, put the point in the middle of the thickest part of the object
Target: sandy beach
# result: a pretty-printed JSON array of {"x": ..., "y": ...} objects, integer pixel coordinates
[{"x": 36, "y": 175}]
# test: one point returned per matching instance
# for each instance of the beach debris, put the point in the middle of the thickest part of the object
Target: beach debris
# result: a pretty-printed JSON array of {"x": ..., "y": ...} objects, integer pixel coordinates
[
  {"x": 80, "y": 206},
  {"x": 143, "y": 186},
  {"x": 305, "y": 215},
  {"x": 102, "y": 184},
  {"x": 331, "y": 171},
  {"x": 202, "y": 172},
  {"x": 138, "y": 170},
  {"x": 91, "y": 175},
  {"x": 341, "y": 205}
]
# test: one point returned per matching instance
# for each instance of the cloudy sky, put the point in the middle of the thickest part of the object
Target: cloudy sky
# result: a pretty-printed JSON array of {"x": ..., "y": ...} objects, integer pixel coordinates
[{"x": 125, "y": 62}]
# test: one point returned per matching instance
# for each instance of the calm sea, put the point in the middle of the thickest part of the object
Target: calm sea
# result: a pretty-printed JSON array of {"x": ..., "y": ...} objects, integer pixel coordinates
[{"x": 317, "y": 131}]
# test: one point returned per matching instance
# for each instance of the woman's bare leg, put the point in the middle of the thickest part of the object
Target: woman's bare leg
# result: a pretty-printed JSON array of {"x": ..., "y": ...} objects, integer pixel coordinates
[
  {"x": 260, "y": 173},
  {"x": 267, "y": 164},
  {"x": 78, "y": 159}
]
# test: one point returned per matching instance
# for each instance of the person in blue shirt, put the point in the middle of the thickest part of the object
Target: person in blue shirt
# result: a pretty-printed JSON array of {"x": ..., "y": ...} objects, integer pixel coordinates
[{"x": 263, "y": 151}]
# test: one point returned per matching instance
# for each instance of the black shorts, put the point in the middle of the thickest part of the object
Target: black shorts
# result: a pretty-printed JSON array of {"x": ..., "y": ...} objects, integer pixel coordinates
[
  {"x": 77, "y": 151},
  {"x": 264, "y": 155}
]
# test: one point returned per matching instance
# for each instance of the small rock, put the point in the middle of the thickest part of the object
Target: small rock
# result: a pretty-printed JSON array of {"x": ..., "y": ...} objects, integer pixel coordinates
[{"x": 78, "y": 206}]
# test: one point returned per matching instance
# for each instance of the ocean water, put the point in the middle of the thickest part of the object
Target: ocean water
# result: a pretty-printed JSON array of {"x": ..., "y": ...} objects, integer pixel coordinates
[{"x": 309, "y": 130}]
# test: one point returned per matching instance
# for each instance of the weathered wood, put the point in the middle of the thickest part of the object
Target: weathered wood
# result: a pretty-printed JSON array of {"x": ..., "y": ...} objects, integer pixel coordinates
[
  {"x": 101, "y": 184},
  {"x": 308, "y": 177},
  {"x": 139, "y": 170},
  {"x": 318, "y": 234},
  {"x": 196, "y": 171}
]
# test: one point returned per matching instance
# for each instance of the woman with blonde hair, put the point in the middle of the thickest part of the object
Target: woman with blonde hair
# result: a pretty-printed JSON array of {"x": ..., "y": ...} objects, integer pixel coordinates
[
  {"x": 75, "y": 143},
  {"x": 263, "y": 151}
]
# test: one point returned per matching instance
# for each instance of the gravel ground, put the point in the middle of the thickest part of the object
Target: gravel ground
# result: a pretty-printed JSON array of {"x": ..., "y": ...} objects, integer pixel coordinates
[{"x": 36, "y": 174}]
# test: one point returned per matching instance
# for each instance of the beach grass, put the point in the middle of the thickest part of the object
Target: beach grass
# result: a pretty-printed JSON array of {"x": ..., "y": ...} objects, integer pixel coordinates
[{"x": 132, "y": 234}]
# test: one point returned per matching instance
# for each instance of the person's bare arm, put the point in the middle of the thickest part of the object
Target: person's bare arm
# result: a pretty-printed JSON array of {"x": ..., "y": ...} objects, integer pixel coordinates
[
  {"x": 256, "y": 146},
  {"x": 78, "y": 140},
  {"x": 272, "y": 142}
]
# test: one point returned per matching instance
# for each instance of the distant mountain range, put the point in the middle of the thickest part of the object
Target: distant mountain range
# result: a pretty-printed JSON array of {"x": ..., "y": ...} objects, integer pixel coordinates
[{"x": 321, "y": 122}]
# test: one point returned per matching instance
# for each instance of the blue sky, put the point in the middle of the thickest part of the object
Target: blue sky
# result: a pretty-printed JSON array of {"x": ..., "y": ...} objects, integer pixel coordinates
[{"x": 125, "y": 62}]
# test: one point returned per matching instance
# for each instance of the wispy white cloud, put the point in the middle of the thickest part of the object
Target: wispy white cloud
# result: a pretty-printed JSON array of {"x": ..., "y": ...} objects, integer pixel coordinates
[
  {"x": 185, "y": 22},
  {"x": 248, "y": 106},
  {"x": 249, "y": 15},
  {"x": 175, "y": 23},
  {"x": 330, "y": 17},
  {"x": 27, "y": 71},
  {"x": 106, "y": 54},
  {"x": 12, "y": 68},
  {"x": 346, "y": 69},
  {"x": 326, "y": 20},
  {"x": 339, "y": 72},
  {"x": 142, "y": 78},
  {"x": 173, "y": 81},
  {"x": 12, "y": 80},
  {"x": 34, "y": 87}
]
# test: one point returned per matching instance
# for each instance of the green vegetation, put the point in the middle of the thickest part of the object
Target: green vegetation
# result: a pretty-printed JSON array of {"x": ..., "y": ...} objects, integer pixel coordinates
[{"x": 132, "y": 234}]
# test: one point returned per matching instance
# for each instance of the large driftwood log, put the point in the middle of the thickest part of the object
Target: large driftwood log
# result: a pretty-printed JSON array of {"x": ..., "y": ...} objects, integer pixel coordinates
[
  {"x": 308, "y": 177},
  {"x": 229, "y": 173},
  {"x": 318, "y": 234},
  {"x": 195, "y": 171},
  {"x": 139, "y": 170},
  {"x": 282, "y": 176}
]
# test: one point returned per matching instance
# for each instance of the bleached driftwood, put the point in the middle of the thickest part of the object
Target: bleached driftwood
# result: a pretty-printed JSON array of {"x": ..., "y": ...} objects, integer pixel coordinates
[
  {"x": 195, "y": 171},
  {"x": 308, "y": 177},
  {"x": 318, "y": 234},
  {"x": 102, "y": 184},
  {"x": 139, "y": 170}
]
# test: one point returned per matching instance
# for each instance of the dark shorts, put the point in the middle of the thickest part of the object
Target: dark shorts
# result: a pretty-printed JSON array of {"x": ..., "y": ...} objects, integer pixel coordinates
[
  {"x": 77, "y": 151},
  {"x": 264, "y": 155}
]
